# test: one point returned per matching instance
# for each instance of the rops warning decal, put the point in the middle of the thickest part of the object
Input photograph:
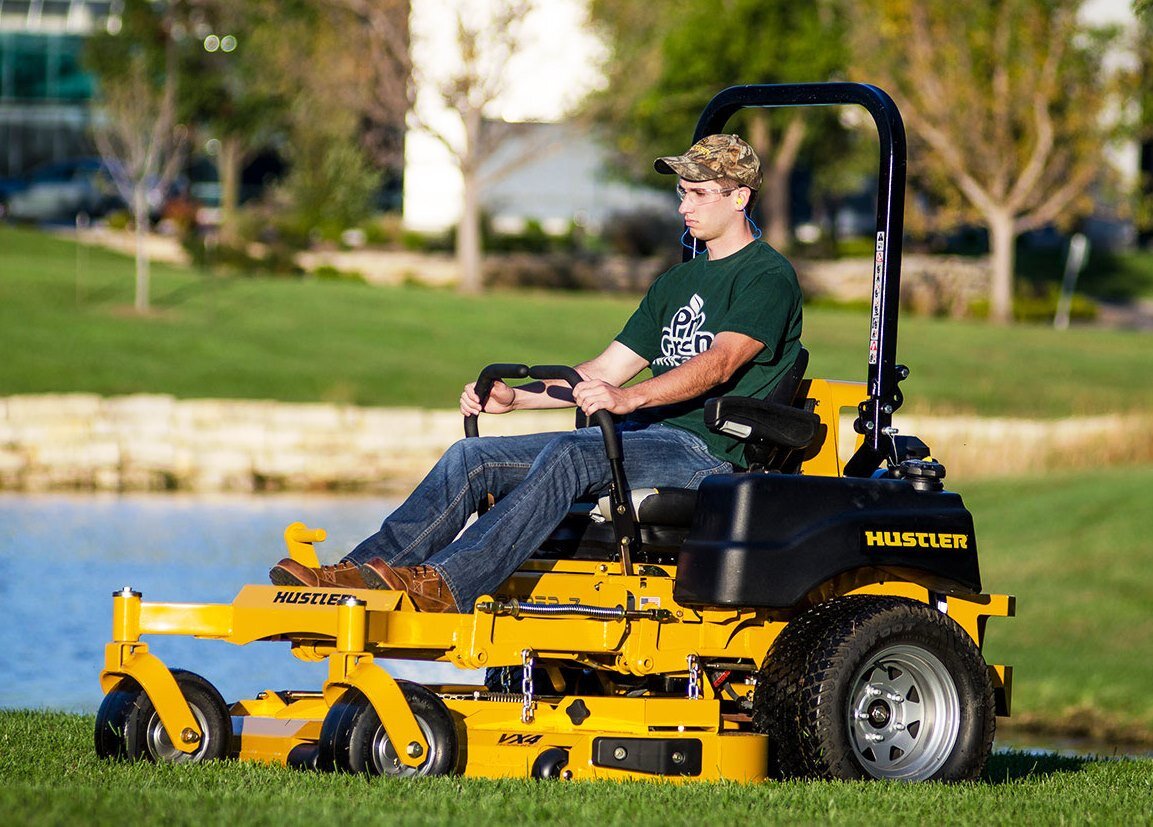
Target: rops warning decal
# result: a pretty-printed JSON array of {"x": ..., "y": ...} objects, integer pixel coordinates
[{"x": 878, "y": 272}]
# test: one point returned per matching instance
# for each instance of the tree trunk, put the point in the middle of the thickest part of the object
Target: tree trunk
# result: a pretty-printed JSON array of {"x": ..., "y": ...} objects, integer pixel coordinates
[
  {"x": 140, "y": 217},
  {"x": 468, "y": 244},
  {"x": 1002, "y": 254},
  {"x": 776, "y": 207},
  {"x": 468, "y": 241},
  {"x": 228, "y": 171},
  {"x": 777, "y": 163}
]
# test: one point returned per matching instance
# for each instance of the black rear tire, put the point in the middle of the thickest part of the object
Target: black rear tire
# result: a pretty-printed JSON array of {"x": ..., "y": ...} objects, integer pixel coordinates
[
  {"x": 876, "y": 687},
  {"x": 353, "y": 740},
  {"x": 128, "y": 728}
]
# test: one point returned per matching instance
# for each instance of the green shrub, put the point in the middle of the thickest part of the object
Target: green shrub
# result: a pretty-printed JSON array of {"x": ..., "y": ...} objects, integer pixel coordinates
[
  {"x": 1039, "y": 305},
  {"x": 855, "y": 247},
  {"x": 383, "y": 230},
  {"x": 118, "y": 220},
  {"x": 326, "y": 272}
]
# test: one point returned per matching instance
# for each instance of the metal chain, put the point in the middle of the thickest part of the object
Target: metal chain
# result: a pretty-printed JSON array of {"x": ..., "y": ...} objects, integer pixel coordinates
[
  {"x": 694, "y": 678},
  {"x": 527, "y": 714}
]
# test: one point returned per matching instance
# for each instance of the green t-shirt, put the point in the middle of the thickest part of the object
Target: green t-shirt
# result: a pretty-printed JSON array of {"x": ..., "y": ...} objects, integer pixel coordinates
[{"x": 753, "y": 291}]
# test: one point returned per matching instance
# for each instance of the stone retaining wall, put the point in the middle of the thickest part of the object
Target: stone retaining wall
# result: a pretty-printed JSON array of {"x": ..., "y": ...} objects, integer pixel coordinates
[
  {"x": 152, "y": 442},
  {"x": 972, "y": 446},
  {"x": 155, "y": 442}
]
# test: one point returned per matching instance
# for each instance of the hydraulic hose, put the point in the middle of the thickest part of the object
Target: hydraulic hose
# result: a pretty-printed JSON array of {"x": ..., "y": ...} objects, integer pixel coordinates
[{"x": 515, "y": 608}]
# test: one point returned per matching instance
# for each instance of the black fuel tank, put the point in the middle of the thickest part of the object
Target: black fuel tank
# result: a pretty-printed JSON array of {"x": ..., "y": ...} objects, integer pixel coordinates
[{"x": 767, "y": 540}]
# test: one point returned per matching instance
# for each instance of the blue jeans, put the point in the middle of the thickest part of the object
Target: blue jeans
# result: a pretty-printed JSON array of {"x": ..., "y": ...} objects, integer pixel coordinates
[{"x": 535, "y": 480}]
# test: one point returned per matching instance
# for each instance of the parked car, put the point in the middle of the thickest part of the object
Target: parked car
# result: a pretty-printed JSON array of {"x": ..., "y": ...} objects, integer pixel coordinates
[
  {"x": 9, "y": 187},
  {"x": 62, "y": 190}
]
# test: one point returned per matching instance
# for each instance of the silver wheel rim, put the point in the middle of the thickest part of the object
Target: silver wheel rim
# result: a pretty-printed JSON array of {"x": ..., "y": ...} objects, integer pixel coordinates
[
  {"x": 904, "y": 714},
  {"x": 386, "y": 761},
  {"x": 161, "y": 748}
]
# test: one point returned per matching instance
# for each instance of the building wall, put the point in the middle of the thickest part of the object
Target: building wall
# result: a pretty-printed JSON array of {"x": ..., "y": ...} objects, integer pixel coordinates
[
  {"x": 44, "y": 89},
  {"x": 542, "y": 82}
]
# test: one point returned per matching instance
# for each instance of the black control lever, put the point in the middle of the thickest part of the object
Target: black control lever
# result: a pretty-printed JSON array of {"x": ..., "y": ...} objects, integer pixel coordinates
[
  {"x": 602, "y": 419},
  {"x": 623, "y": 517},
  {"x": 489, "y": 377}
]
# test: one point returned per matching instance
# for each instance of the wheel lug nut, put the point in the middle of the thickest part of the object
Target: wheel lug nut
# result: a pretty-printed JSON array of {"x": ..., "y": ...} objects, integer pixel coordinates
[
  {"x": 189, "y": 736},
  {"x": 874, "y": 737}
]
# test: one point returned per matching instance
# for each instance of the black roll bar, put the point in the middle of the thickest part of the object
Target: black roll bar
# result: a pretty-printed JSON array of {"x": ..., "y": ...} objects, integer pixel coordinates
[{"x": 875, "y": 416}]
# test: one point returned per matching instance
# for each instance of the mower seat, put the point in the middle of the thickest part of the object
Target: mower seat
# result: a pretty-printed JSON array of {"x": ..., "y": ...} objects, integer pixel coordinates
[
  {"x": 773, "y": 430},
  {"x": 655, "y": 506}
]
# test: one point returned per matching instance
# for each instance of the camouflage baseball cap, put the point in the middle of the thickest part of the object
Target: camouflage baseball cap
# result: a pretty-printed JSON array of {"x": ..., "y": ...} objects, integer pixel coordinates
[{"x": 713, "y": 157}]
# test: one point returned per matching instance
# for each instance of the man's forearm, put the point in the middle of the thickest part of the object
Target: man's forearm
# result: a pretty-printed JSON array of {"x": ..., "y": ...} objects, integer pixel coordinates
[
  {"x": 542, "y": 395},
  {"x": 616, "y": 364},
  {"x": 695, "y": 377},
  {"x": 688, "y": 381}
]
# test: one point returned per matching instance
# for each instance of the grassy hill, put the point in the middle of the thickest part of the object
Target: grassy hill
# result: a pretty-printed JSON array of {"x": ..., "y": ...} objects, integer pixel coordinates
[{"x": 66, "y": 325}]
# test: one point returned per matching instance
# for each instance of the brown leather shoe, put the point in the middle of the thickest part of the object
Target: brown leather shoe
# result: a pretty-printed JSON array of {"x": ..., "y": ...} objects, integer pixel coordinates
[
  {"x": 288, "y": 572},
  {"x": 424, "y": 584}
]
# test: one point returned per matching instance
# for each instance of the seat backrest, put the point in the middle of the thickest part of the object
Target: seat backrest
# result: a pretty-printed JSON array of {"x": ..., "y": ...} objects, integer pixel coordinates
[
  {"x": 773, "y": 429},
  {"x": 786, "y": 390}
]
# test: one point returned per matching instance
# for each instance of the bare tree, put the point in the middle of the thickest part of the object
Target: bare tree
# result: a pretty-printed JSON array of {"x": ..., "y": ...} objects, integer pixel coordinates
[
  {"x": 143, "y": 147},
  {"x": 1008, "y": 97},
  {"x": 487, "y": 35}
]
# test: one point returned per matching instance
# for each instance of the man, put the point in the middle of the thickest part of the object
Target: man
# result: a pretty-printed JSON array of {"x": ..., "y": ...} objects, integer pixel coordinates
[{"x": 726, "y": 322}]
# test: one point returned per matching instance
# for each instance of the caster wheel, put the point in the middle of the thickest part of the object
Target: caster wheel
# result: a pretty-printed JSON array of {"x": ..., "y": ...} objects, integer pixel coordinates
[
  {"x": 550, "y": 763},
  {"x": 128, "y": 728},
  {"x": 353, "y": 740}
]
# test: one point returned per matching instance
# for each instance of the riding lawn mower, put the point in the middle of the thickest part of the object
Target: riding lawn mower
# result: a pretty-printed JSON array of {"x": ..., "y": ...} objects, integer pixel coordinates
[{"x": 818, "y": 614}]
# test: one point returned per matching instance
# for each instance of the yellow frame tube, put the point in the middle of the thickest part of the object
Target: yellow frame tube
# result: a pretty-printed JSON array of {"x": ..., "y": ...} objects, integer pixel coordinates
[{"x": 128, "y": 657}]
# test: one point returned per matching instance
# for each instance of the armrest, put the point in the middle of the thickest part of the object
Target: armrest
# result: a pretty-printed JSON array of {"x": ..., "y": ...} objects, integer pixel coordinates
[{"x": 757, "y": 420}]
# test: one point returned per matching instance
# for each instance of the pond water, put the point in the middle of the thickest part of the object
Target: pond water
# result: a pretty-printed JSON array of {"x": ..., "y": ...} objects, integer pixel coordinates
[{"x": 62, "y": 556}]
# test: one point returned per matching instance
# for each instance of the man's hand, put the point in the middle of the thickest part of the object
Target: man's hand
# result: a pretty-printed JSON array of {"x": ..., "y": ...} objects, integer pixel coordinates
[
  {"x": 595, "y": 395},
  {"x": 500, "y": 400}
]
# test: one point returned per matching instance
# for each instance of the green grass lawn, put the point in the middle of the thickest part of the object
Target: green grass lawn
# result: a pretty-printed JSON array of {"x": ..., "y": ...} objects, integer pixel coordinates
[
  {"x": 50, "y": 775},
  {"x": 66, "y": 325},
  {"x": 1074, "y": 549}
]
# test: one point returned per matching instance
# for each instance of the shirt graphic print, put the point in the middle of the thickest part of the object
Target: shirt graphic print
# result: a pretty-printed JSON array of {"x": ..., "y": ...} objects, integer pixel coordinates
[{"x": 685, "y": 336}]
